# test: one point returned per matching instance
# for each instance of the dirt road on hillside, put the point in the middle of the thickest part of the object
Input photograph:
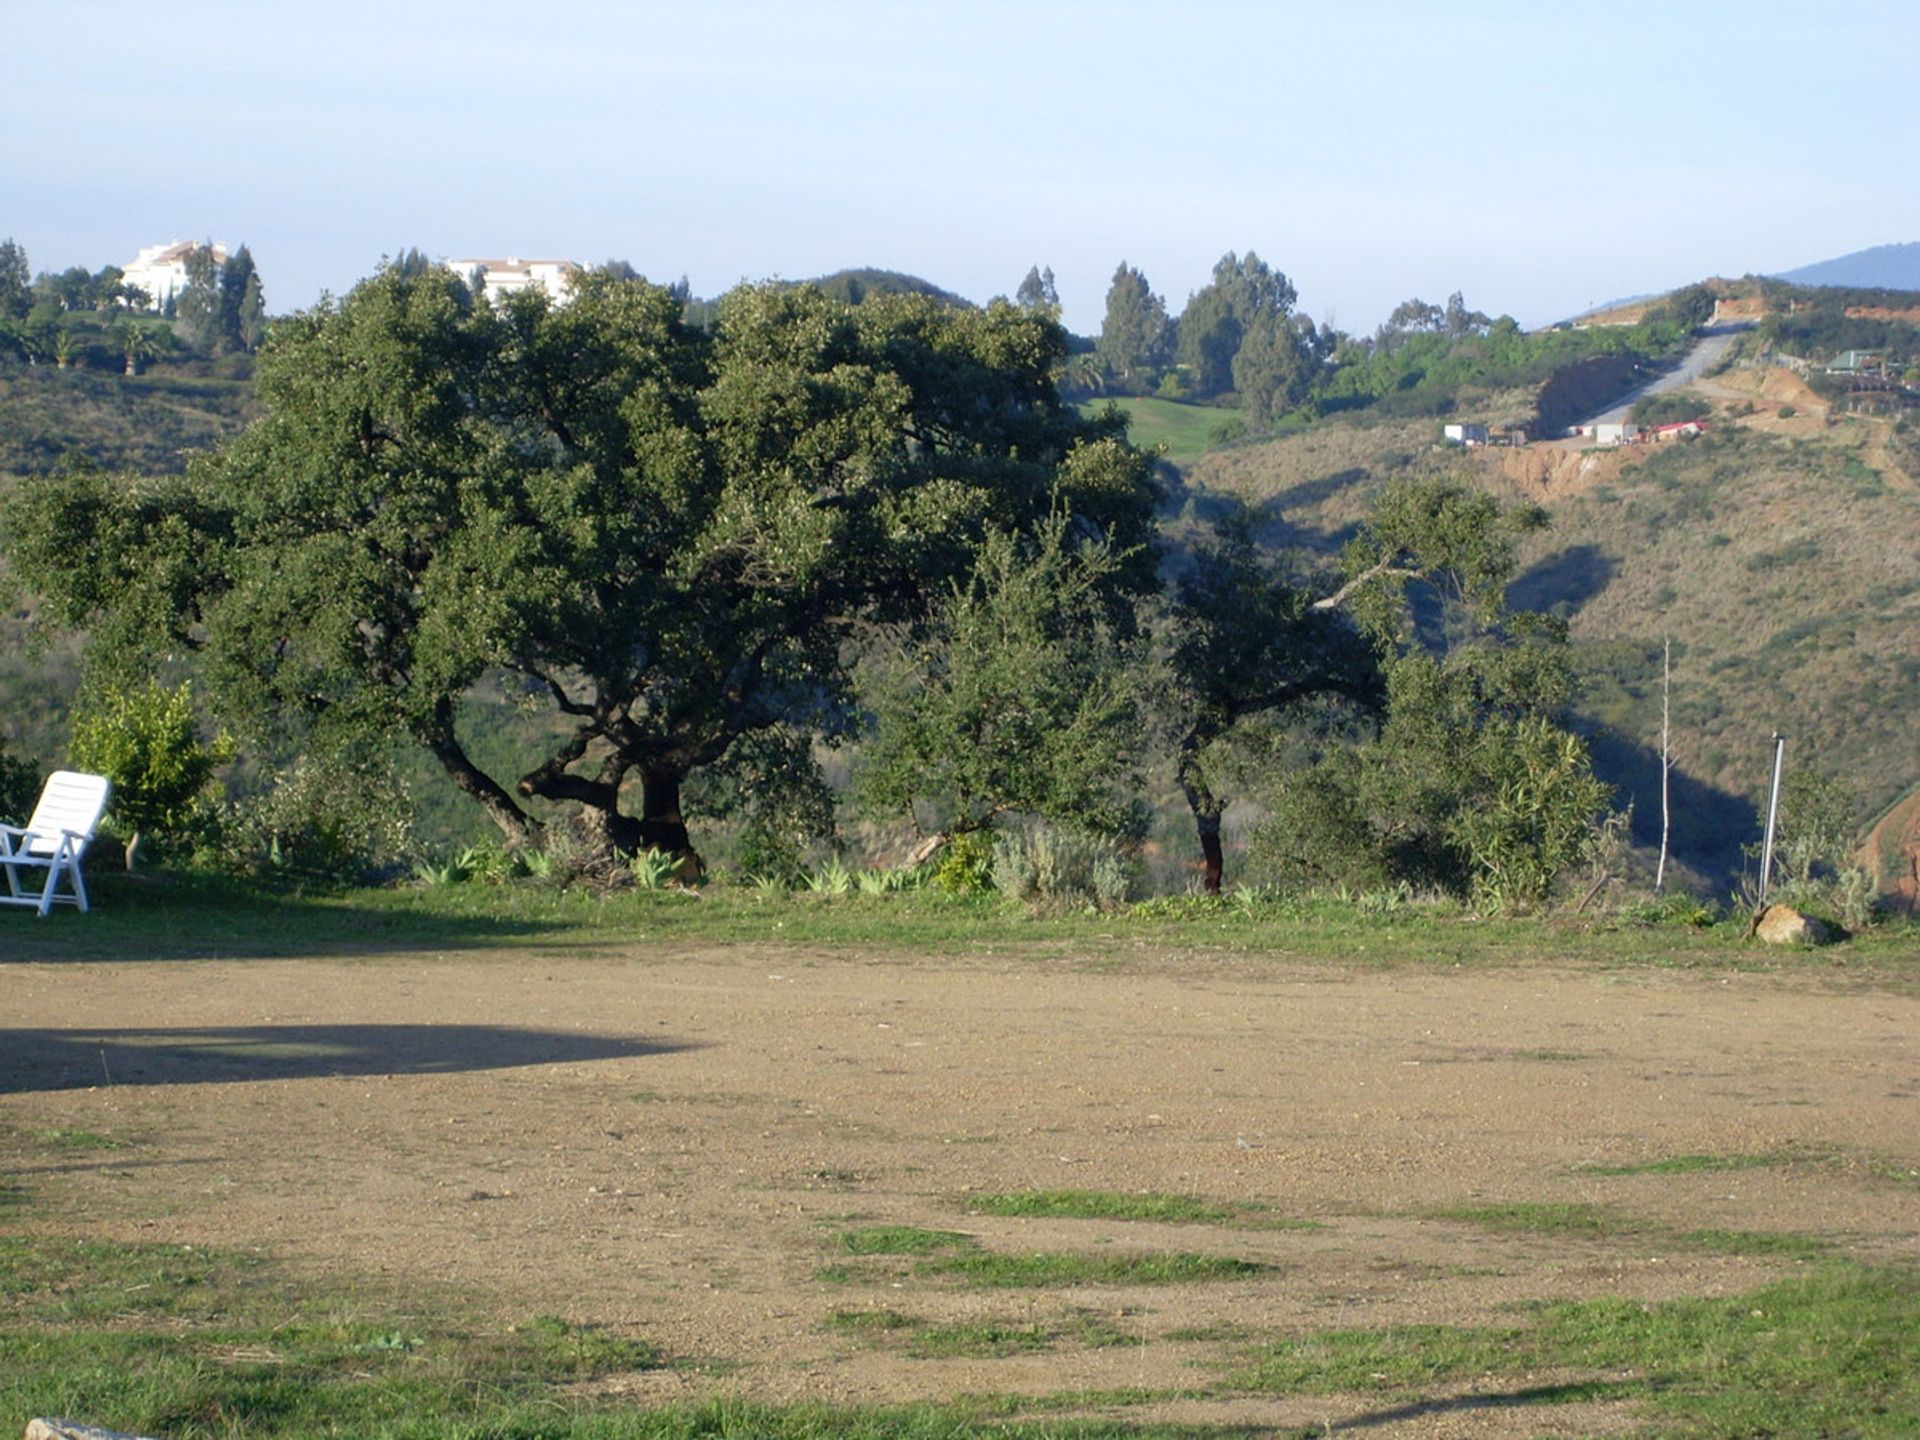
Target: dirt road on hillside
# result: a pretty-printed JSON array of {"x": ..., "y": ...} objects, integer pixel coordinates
[
  {"x": 675, "y": 1147},
  {"x": 1709, "y": 350}
]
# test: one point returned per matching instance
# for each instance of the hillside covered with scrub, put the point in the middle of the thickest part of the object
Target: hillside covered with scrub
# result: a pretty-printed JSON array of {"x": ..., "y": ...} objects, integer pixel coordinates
[{"x": 806, "y": 650}]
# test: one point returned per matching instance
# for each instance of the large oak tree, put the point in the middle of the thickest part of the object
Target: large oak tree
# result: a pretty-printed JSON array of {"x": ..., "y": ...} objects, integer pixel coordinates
[{"x": 668, "y": 538}]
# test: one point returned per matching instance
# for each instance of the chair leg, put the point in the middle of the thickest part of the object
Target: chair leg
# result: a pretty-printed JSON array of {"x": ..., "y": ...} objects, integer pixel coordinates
[{"x": 61, "y": 857}]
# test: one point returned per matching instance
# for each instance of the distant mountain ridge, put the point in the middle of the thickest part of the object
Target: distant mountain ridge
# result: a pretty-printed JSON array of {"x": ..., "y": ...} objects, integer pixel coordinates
[{"x": 1883, "y": 267}]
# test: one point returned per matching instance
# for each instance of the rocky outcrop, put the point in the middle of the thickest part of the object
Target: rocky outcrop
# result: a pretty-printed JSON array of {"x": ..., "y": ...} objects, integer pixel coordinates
[{"x": 1784, "y": 925}]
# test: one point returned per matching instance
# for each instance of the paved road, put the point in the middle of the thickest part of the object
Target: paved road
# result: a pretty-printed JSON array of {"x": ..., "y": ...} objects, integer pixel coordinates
[{"x": 1708, "y": 351}]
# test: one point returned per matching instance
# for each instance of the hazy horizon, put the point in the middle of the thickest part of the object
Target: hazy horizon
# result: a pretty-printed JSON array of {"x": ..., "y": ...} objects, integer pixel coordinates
[{"x": 1540, "y": 161}]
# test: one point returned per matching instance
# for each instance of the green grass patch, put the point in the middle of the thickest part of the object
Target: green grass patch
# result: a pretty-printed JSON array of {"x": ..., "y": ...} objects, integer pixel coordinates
[
  {"x": 179, "y": 1341},
  {"x": 1043, "y": 1270},
  {"x": 1106, "y": 1205},
  {"x": 901, "y": 1240},
  {"x": 77, "y": 1140},
  {"x": 873, "y": 1322},
  {"x": 1835, "y": 1352},
  {"x": 1694, "y": 1164},
  {"x": 979, "y": 1340},
  {"x": 1597, "y": 1222},
  {"x": 183, "y": 915},
  {"x": 1587, "y": 1222}
]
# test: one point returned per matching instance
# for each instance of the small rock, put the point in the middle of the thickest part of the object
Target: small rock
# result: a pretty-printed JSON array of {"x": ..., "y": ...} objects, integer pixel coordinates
[{"x": 1784, "y": 925}]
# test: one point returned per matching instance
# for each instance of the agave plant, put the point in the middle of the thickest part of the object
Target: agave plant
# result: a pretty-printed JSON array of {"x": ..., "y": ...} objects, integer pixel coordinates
[
  {"x": 833, "y": 878},
  {"x": 652, "y": 868}
]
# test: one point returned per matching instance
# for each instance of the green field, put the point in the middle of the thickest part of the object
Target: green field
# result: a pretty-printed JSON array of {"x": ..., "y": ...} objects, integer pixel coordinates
[{"x": 1180, "y": 432}]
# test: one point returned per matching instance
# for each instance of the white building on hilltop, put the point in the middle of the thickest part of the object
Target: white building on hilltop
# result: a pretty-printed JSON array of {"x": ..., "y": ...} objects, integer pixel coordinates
[
  {"x": 161, "y": 270},
  {"x": 512, "y": 275}
]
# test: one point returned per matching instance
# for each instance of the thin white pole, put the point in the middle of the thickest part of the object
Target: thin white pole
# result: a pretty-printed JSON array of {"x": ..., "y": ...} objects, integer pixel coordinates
[
  {"x": 1773, "y": 813},
  {"x": 1666, "y": 765}
]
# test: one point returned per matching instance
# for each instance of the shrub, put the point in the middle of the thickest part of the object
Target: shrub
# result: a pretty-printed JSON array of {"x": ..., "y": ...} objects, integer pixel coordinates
[
  {"x": 19, "y": 787},
  {"x": 147, "y": 742},
  {"x": 337, "y": 817},
  {"x": 1043, "y": 865},
  {"x": 965, "y": 866}
]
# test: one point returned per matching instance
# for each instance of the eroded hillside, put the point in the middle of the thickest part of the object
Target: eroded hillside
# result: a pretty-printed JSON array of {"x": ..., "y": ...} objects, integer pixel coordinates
[{"x": 1780, "y": 552}]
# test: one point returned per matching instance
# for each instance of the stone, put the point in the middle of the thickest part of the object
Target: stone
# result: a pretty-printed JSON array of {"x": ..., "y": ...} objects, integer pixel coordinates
[
  {"x": 73, "y": 1430},
  {"x": 1784, "y": 925}
]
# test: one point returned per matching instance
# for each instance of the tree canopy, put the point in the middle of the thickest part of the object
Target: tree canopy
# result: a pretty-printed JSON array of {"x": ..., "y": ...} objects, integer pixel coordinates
[
  {"x": 663, "y": 537},
  {"x": 1136, "y": 335}
]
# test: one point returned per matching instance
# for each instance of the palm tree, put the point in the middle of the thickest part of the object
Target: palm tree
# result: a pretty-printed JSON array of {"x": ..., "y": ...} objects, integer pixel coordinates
[{"x": 138, "y": 343}]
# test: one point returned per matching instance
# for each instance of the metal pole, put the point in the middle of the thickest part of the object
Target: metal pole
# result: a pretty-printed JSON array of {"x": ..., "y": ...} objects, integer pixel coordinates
[{"x": 1773, "y": 813}]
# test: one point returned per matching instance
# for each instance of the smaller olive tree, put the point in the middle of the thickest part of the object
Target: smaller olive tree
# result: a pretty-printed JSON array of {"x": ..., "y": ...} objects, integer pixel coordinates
[
  {"x": 146, "y": 740},
  {"x": 1020, "y": 695}
]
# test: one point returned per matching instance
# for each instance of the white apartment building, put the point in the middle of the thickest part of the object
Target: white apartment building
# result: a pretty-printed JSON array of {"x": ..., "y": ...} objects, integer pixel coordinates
[
  {"x": 511, "y": 275},
  {"x": 161, "y": 270}
]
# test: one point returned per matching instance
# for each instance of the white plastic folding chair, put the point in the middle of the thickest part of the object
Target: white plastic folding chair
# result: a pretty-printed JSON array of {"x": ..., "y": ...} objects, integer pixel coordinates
[{"x": 54, "y": 840}]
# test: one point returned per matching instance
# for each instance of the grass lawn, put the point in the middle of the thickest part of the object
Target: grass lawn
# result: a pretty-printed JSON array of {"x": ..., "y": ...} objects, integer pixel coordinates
[
  {"x": 183, "y": 916},
  {"x": 1186, "y": 431}
]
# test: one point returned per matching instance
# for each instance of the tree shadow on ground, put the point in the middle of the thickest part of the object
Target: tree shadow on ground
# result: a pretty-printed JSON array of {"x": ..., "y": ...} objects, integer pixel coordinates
[
  {"x": 1710, "y": 826},
  {"x": 1572, "y": 1392},
  {"x": 41, "y": 1060},
  {"x": 1563, "y": 582},
  {"x": 191, "y": 917},
  {"x": 1316, "y": 492}
]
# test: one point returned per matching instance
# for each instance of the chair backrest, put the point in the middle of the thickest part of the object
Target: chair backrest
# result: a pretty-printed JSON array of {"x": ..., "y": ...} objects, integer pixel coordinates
[{"x": 69, "y": 801}]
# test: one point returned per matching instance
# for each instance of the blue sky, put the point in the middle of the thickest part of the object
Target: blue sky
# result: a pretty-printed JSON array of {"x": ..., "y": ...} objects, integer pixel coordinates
[{"x": 1538, "y": 156}]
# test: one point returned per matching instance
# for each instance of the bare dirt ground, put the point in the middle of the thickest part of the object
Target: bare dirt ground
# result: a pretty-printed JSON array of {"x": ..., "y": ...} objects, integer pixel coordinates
[{"x": 672, "y": 1144}]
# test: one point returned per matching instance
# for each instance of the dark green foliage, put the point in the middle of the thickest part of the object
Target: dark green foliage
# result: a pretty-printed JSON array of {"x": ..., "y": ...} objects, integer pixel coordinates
[
  {"x": 16, "y": 297},
  {"x": 1038, "y": 292},
  {"x": 243, "y": 313},
  {"x": 1469, "y": 786},
  {"x": 1248, "y": 650},
  {"x": 19, "y": 787},
  {"x": 1244, "y": 295},
  {"x": 1671, "y": 407},
  {"x": 853, "y": 287},
  {"x": 1422, "y": 371},
  {"x": 197, "y": 308},
  {"x": 1019, "y": 696},
  {"x": 1817, "y": 826},
  {"x": 664, "y": 536},
  {"x": 1822, "y": 329},
  {"x": 1136, "y": 334}
]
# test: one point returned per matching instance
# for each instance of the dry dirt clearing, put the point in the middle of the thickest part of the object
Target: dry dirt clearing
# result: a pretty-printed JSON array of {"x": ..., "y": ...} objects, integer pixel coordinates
[{"x": 675, "y": 1145}]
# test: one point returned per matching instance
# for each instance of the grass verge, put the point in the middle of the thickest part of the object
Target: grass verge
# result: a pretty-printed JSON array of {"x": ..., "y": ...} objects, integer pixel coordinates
[{"x": 1835, "y": 1352}]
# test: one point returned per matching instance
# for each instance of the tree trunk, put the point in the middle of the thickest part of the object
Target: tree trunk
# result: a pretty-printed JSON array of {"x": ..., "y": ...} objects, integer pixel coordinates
[
  {"x": 519, "y": 828},
  {"x": 1209, "y": 827},
  {"x": 133, "y": 850},
  {"x": 661, "y": 826},
  {"x": 610, "y": 832},
  {"x": 1207, "y": 809}
]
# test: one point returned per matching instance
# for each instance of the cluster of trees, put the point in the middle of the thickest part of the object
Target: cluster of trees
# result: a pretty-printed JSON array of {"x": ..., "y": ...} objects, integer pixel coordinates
[
  {"x": 1241, "y": 342},
  {"x": 78, "y": 317},
  {"x": 699, "y": 553},
  {"x": 1239, "y": 339},
  {"x": 222, "y": 308}
]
